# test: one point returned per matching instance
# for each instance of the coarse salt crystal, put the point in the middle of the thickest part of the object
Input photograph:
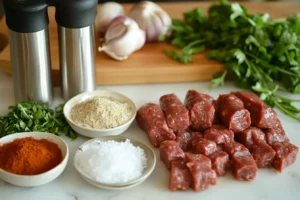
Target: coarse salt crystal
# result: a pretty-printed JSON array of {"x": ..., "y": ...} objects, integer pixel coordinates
[{"x": 111, "y": 161}]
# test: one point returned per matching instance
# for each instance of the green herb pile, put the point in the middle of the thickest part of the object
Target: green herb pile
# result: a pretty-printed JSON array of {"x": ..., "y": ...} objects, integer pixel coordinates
[
  {"x": 260, "y": 53},
  {"x": 30, "y": 116}
]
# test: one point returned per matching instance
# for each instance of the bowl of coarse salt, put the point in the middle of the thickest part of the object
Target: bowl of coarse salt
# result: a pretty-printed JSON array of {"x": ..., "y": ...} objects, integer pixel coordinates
[
  {"x": 100, "y": 113},
  {"x": 114, "y": 162}
]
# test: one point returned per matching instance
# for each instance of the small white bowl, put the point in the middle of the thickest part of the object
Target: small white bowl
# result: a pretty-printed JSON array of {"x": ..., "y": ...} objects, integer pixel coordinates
[
  {"x": 90, "y": 132},
  {"x": 35, "y": 180},
  {"x": 96, "y": 184},
  {"x": 151, "y": 162}
]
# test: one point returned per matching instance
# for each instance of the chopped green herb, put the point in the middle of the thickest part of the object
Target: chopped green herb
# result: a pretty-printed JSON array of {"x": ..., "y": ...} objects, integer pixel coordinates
[{"x": 30, "y": 116}]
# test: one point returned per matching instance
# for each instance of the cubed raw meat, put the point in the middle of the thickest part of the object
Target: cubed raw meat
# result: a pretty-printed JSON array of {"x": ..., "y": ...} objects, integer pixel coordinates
[
  {"x": 263, "y": 154},
  {"x": 276, "y": 134},
  {"x": 232, "y": 113},
  {"x": 202, "y": 176},
  {"x": 190, "y": 157},
  {"x": 219, "y": 134},
  {"x": 170, "y": 151},
  {"x": 151, "y": 119},
  {"x": 201, "y": 109},
  {"x": 262, "y": 115},
  {"x": 286, "y": 154},
  {"x": 176, "y": 114},
  {"x": 180, "y": 177},
  {"x": 203, "y": 146},
  {"x": 244, "y": 167},
  {"x": 235, "y": 148},
  {"x": 196, "y": 135},
  {"x": 249, "y": 136},
  {"x": 220, "y": 162},
  {"x": 184, "y": 139}
]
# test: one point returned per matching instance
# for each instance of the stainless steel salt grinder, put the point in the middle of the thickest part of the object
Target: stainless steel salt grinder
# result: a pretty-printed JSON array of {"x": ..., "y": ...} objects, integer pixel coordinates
[
  {"x": 27, "y": 21},
  {"x": 75, "y": 19}
]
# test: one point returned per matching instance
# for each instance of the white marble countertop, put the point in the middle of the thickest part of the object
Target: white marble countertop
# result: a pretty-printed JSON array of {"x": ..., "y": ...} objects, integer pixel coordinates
[{"x": 269, "y": 184}]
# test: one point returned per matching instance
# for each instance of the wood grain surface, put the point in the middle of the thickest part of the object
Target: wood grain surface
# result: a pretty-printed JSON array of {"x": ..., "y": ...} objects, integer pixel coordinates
[{"x": 150, "y": 65}]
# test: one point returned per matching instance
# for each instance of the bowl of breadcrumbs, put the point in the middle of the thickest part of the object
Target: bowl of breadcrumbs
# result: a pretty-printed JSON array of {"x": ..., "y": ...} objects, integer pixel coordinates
[{"x": 100, "y": 113}]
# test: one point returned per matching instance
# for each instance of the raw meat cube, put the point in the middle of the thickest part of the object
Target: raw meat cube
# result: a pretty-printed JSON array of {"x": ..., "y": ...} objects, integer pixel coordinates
[
  {"x": 244, "y": 167},
  {"x": 286, "y": 154},
  {"x": 202, "y": 176},
  {"x": 201, "y": 109},
  {"x": 180, "y": 177},
  {"x": 262, "y": 115},
  {"x": 263, "y": 154},
  {"x": 196, "y": 135},
  {"x": 235, "y": 148},
  {"x": 220, "y": 147},
  {"x": 232, "y": 113},
  {"x": 272, "y": 136},
  {"x": 176, "y": 114},
  {"x": 170, "y": 151},
  {"x": 190, "y": 157},
  {"x": 249, "y": 136},
  {"x": 220, "y": 162},
  {"x": 184, "y": 139},
  {"x": 276, "y": 134},
  {"x": 151, "y": 119},
  {"x": 219, "y": 134},
  {"x": 203, "y": 146}
]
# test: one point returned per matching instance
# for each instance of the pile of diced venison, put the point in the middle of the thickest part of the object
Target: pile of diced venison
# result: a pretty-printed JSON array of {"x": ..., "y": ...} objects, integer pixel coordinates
[{"x": 202, "y": 138}]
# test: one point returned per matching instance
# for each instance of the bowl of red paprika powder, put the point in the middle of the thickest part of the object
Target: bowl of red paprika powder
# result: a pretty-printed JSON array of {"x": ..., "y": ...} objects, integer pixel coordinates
[{"x": 32, "y": 158}]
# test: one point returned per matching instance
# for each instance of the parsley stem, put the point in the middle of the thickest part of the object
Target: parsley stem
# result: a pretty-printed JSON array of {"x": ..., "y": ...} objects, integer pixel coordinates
[
  {"x": 289, "y": 100},
  {"x": 286, "y": 111},
  {"x": 280, "y": 88},
  {"x": 193, "y": 44},
  {"x": 260, "y": 73},
  {"x": 272, "y": 66}
]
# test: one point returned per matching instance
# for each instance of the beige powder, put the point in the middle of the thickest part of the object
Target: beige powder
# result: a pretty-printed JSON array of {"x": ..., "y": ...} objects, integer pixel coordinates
[{"x": 101, "y": 113}]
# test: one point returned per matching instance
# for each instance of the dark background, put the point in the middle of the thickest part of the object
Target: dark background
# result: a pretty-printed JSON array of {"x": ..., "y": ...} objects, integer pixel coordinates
[
  {"x": 130, "y": 1},
  {"x": 1, "y": 9},
  {"x": 102, "y": 1}
]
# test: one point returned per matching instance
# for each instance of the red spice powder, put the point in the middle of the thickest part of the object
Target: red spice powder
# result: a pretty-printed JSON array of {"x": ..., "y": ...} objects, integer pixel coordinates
[{"x": 29, "y": 156}]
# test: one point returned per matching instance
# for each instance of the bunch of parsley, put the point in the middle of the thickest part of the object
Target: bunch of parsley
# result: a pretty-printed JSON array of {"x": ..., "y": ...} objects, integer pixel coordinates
[
  {"x": 31, "y": 116},
  {"x": 260, "y": 54}
]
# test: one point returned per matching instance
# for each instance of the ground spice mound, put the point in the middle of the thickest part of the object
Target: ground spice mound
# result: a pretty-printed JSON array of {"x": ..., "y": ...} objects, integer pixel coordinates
[
  {"x": 101, "y": 113},
  {"x": 29, "y": 156}
]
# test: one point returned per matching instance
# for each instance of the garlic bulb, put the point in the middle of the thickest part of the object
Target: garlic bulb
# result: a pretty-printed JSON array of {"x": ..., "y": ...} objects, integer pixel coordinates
[
  {"x": 106, "y": 13},
  {"x": 151, "y": 18},
  {"x": 122, "y": 38}
]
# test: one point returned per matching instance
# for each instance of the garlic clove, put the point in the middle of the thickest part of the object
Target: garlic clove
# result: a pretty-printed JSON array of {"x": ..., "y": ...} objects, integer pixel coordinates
[
  {"x": 166, "y": 21},
  {"x": 122, "y": 38},
  {"x": 116, "y": 28},
  {"x": 111, "y": 53},
  {"x": 155, "y": 31},
  {"x": 140, "y": 39},
  {"x": 106, "y": 13},
  {"x": 152, "y": 19}
]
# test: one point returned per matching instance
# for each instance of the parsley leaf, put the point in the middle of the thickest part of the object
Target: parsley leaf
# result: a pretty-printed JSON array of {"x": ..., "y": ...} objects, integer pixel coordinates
[
  {"x": 30, "y": 116},
  {"x": 218, "y": 79},
  {"x": 260, "y": 54}
]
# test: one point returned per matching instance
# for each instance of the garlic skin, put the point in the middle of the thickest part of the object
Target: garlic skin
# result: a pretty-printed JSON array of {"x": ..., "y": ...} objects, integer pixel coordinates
[
  {"x": 106, "y": 13},
  {"x": 151, "y": 18},
  {"x": 122, "y": 38}
]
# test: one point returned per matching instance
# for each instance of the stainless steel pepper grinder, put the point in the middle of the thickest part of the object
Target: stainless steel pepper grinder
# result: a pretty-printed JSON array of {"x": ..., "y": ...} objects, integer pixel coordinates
[
  {"x": 28, "y": 21},
  {"x": 75, "y": 19}
]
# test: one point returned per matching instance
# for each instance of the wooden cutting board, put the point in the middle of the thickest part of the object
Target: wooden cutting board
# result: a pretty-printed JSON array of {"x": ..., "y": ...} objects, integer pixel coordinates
[{"x": 150, "y": 65}]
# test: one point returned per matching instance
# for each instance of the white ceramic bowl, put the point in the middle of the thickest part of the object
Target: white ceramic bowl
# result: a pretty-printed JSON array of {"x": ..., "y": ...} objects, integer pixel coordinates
[
  {"x": 90, "y": 132},
  {"x": 151, "y": 162},
  {"x": 35, "y": 180}
]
